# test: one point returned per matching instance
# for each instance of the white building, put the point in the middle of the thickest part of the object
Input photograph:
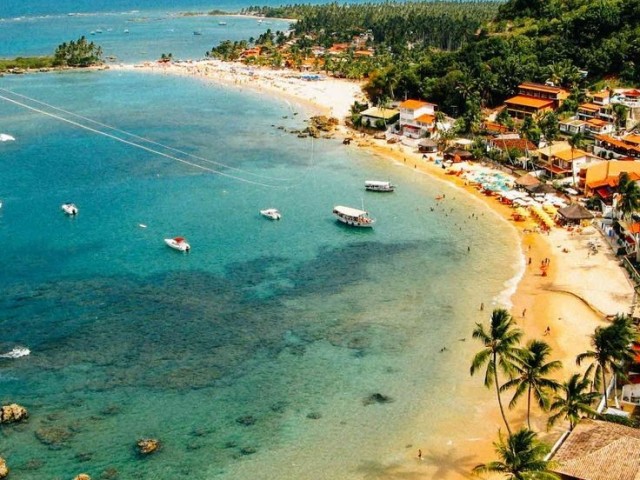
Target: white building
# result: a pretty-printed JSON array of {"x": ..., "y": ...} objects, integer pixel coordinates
[{"x": 417, "y": 118}]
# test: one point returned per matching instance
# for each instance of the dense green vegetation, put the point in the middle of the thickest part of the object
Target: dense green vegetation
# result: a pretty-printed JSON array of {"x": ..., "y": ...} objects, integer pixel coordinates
[
  {"x": 78, "y": 53},
  {"x": 26, "y": 63},
  {"x": 466, "y": 55}
]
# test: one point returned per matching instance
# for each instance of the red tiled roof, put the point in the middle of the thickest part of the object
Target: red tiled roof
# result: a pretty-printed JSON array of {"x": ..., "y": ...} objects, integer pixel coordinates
[
  {"x": 413, "y": 104},
  {"x": 555, "y": 169},
  {"x": 521, "y": 100},
  {"x": 541, "y": 88},
  {"x": 597, "y": 122},
  {"x": 426, "y": 118},
  {"x": 517, "y": 143},
  {"x": 589, "y": 106}
]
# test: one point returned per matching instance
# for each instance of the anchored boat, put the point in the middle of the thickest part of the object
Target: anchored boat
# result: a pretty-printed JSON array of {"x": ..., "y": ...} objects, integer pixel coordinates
[
  {"x": 178, "y": 243},
  {"x": 271, "y": 213},
  {"x": 378, "y": 186},
  {"x": 353, "y": 216},
  {"x": 69, "y": 208}
]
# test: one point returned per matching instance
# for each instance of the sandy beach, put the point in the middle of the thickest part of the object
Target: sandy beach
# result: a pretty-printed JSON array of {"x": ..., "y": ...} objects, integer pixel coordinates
[{"x": 574, "y": 297}]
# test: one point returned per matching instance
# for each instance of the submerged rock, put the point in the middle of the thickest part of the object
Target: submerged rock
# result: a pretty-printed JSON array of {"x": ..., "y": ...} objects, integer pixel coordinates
[
  {"x": 13, "y": 413},
  {"x": 53, "y": 437},
  {"x": 82, "y": 476},
  {"x": 4, "y": 470},
  {"x": 247, "y": 420},
  {"x": 147, "y": 445},
  {"x": 377, "y": 398}
]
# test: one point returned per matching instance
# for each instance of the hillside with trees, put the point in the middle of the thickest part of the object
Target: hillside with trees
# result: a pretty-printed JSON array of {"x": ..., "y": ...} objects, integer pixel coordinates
[{"x": 467, "y": 55}]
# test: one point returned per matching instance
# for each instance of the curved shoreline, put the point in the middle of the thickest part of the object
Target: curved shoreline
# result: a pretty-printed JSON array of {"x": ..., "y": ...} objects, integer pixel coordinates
[{"x": 537, "y": 301}]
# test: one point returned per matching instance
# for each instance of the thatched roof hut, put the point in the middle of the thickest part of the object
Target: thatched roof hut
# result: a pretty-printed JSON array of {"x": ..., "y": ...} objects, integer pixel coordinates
[
  {"x": 575, "y": 213},
  {"x": 527, "y": 180}
]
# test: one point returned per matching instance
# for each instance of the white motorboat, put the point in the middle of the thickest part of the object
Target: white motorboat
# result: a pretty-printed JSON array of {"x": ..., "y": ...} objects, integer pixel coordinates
[
  {"x": 69, "y": 208},
  {"x": 353, "y": 216},
  {"x": 271, "y": 213},
  {"x": 178, "y": 243},
  {"x": 378, "y": 186}
]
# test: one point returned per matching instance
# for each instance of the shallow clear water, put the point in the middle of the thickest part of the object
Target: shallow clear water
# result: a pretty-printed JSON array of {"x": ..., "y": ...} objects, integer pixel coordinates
[{"x": 251, "y": 356}]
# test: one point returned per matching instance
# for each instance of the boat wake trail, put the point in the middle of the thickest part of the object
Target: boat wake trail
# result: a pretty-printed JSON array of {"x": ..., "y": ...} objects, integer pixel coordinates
[
  {"x": 17, "y": 352},
  {"x": 135, "y": 144}
]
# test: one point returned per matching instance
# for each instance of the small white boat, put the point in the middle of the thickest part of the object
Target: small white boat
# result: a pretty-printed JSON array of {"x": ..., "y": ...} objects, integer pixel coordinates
[
  {"x": 271, "y": 213},
  {"x": 178, "y": 243},
  {"x": 69, "y": 208},
  {"x": 222, "y": 23},
  {"x": 353, "y": 216},
  {"x": 6, "y": 138},
  {"x": 378, "y": 186}
]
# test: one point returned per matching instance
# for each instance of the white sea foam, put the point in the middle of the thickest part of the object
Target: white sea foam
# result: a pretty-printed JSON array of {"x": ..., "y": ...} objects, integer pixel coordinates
[
  {"x": 510, "y": 286},
  {"x": 17, "y": 352}
]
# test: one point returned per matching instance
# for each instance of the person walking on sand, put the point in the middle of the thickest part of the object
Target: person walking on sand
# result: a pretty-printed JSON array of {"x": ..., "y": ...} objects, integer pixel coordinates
[
  {"x": 547, "y": 331},
  {"x": 419, "y": 454},
  {"x": 524, "y": 312}
]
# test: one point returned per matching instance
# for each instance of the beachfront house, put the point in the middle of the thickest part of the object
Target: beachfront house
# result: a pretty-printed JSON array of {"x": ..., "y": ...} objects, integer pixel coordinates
[
  {"x": 597, "y": 450},
  {"x": 627, "y": 147},
  {"x": 535, "y": 99},
  {"x": 561, "y": 161},
  {"x": 515, "y": 150},
  {"x": 375, "y": 117},
  {"x": 417, "y": 118}
]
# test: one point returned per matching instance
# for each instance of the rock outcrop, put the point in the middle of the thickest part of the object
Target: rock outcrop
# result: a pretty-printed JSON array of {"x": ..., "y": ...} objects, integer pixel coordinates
[
  {"x": 82, "y": 476},
  {"x": 148, "y": 445},
  {"x": 4, "y": 470},
  {"x": 13, "y": 413}
]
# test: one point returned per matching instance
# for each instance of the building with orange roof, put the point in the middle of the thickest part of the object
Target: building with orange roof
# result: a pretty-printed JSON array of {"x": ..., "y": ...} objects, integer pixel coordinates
[
  {"x": 602, "y": 178},
  {"x": 597, "y": 126},
  {"x": 417, "y": 118},
  {"x": 609, "y": 147},
  {"x": 535, "y": 98},
  {"x": 561, "y": 161},
  {"x": 601, "y": 98},
  {"x": 522, "y": 106}
]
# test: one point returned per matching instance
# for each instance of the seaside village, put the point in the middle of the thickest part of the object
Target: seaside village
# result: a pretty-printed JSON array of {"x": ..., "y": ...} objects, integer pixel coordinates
[{"x": 585, "y": 181}]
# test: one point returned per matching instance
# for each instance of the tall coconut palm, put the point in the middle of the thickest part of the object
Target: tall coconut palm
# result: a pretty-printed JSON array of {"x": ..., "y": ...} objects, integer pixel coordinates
[
  {"x": 532, "y": 371},
  {"x": 611, "y": 347},
  {"x": 521, "y": 458},
  {"x": 500, "y": 349},
  {"x": 573, "y": 401}
]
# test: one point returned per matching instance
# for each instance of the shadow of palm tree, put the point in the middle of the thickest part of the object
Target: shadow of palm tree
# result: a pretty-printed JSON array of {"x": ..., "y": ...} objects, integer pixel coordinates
[{"x": 435, "y": 464}]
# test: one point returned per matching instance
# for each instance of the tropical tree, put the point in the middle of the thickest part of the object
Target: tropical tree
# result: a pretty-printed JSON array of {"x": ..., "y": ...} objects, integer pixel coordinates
[
  {"x": 532, "y": 376},
  {"x": 500, "y": 350},
  {"x": 573, "y": 401},
  {"x": 629, "y": 191},
  {"x": 611, "y": 347},
  {"x": 521, "y": 458}
]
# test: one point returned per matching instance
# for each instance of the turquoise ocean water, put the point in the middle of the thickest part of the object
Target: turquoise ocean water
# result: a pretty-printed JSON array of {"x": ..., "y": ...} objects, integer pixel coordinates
[{"x": 253, "y": 355}]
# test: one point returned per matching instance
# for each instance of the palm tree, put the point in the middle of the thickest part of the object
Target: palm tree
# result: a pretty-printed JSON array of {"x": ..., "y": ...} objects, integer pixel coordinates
[
  {"x": 500, "y": 350},
  {"x": 629, "y": 192},
  {"x": 531, "y": 376},
  {"x": 575, "y": 400},
  {"x": 521, "y": 458},
  {"x": 611, "y": 347}
]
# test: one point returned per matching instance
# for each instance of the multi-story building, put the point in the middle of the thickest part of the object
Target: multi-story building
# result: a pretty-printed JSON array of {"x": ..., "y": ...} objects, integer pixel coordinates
[{"x": 417, "y": 118}]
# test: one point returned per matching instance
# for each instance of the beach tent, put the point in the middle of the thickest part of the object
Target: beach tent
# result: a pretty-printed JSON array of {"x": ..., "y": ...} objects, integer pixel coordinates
[
  {"x": 527, "y": 180},
  {"x": 574, "y": 213}
]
